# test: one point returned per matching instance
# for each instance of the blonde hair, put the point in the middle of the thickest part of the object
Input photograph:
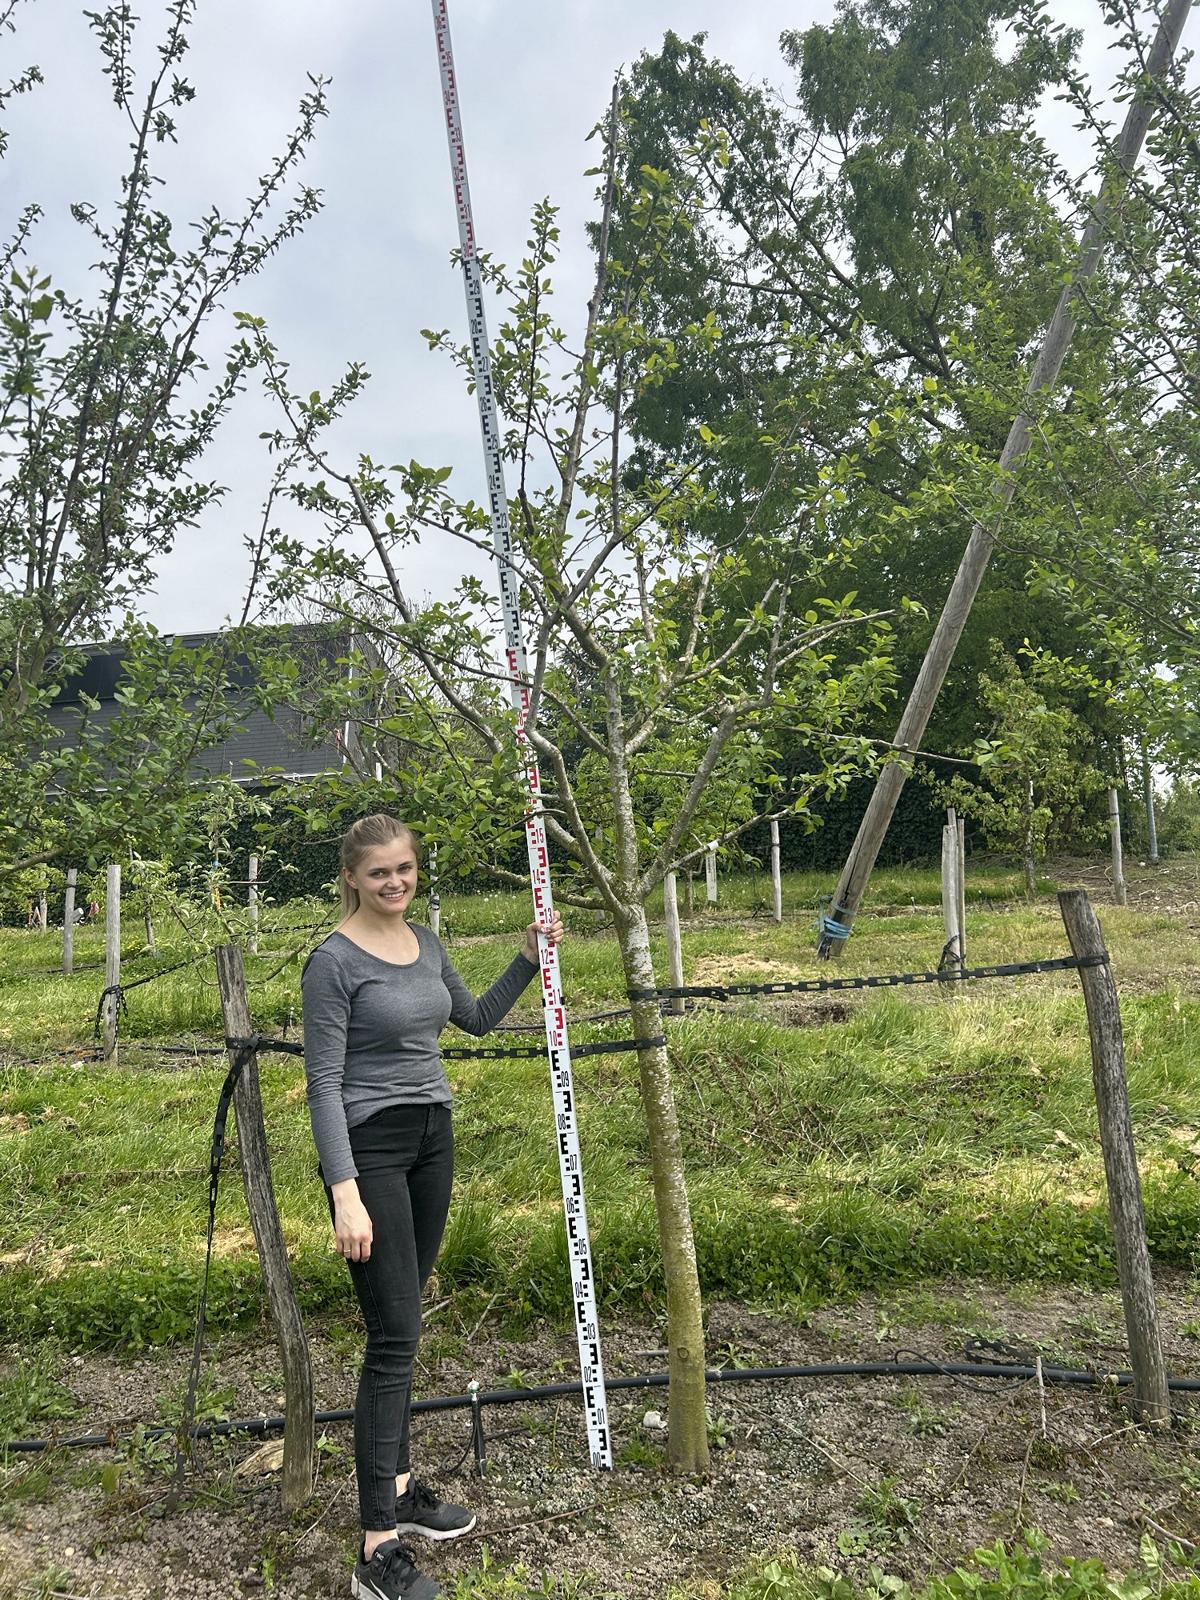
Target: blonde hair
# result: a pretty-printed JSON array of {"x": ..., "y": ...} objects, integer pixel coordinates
[{"x": 368, "y": 833}]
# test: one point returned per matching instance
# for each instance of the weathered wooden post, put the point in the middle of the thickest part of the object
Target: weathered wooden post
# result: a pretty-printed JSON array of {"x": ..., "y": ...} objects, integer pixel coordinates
[
  {"x": 1151, "y": 1399},
  {"x": 710, "y": 872},
  {"x": 1151, "y": 820},
  {"x": 950, "y": 891},
  {"x": 776, "y": 876},
  {"x": 674, "y": 939},
  {"x": 299, "y": 1434},
  {"x": 69, "y": 920},
  {"x": 252, "y": 902},
  {"x": 961, "y": 827},
  {"x": 112, "y": 961},
  {"x": 1118, "y": 858}
]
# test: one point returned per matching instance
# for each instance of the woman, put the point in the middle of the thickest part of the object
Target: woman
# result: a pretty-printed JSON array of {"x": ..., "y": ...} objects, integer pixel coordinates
[{"x": 377, "y": 993}]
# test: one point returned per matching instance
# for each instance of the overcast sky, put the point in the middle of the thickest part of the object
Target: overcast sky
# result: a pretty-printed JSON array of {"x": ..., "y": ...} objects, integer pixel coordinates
[{"x": 373, "y": 269}]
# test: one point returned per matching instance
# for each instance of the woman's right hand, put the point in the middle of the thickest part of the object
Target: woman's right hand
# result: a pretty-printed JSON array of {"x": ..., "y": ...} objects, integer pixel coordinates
[{"x": 352, "y": 1229}]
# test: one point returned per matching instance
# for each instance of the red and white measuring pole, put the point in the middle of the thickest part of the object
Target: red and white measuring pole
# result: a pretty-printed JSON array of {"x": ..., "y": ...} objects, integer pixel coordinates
[{"x": 587, "y": 1327}]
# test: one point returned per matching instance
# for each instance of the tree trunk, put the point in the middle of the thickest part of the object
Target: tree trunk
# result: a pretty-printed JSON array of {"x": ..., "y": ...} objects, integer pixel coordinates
[{"x": 686, "y": 1421}]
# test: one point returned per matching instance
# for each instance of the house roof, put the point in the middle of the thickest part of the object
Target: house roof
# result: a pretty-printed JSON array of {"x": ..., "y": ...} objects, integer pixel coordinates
[{"x": 281, "y": 741}]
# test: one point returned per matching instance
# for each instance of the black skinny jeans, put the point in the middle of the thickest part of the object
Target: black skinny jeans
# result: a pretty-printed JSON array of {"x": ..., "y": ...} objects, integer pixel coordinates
[{"x": 405, "y": 1161}]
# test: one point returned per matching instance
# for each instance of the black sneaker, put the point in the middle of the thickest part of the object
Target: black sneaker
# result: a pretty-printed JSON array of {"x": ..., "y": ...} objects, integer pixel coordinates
[
  {"x": 391, "y": 1574},
  {"x": 418, "y": 1510}
]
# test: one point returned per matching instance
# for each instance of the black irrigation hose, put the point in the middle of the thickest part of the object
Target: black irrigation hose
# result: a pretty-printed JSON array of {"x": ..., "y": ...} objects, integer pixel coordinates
[{"x": 649, "y": 1380}]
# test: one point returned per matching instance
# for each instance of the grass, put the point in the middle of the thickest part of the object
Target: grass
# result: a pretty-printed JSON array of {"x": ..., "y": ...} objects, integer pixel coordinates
[{"x": 925, "y": 1133}]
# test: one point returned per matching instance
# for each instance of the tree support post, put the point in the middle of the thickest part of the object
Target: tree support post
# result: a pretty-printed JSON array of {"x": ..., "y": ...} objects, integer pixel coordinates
[
  {"x": 1151, "y": 1400},
  {"x": 710, "y": 873},
  {"x": 68, "y": 963},
  {"x": 951, "y": 897},
  {"x": 1151, "y": 820},
  {"x": 674, "y": 940},
  {"x": 252, "y": 901},
  {"x": 776, "y": 876},
  {"x": 1120, "y": 895},
  {"x": 299, "y": 1434},
  {"x": 112, "y": 961},
  {"x": 864, "y": 851}
]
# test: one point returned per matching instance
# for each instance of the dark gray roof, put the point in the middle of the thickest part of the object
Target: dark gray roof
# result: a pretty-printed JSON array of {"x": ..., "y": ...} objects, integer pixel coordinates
[{"x": 280, "y": 742}]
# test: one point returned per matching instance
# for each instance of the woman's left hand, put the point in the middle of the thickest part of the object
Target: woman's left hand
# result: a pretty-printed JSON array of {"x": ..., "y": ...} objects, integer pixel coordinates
[{"x": 553, "y": 930}]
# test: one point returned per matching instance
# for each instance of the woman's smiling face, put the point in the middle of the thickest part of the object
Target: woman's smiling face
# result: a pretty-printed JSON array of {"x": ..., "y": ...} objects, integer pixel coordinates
[{"x": 386, "y": 878}]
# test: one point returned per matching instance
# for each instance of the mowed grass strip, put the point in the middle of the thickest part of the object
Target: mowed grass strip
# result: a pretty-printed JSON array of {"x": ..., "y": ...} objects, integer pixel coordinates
[{"x": 926, "y": 1132}]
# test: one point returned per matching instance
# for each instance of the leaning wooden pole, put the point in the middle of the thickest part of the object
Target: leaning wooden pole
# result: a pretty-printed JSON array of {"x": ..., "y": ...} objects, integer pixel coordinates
[
  {"x": 1151, "y": 1399},
  {"x": 299, "y": 1438},
  {"x": 860, "y": 863}
]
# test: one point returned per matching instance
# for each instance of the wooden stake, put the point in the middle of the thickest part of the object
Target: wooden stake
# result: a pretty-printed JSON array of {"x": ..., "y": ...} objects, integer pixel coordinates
[
  {"x": 674, "y": 939},
  {"x": 299, "y": 1435},
  {"x": 43, "y": 915},
  {"x": 1151, "y": 820},
  {"x": 710, "y": 873},
  {"x": 252, "y": 901},
  {"x": 1151, "y": 1400},
  {"x": 69, "y": 920},
  {"x": 776, "y": 877},
  {"x": 961, "y": 829},
  {"x": 1120, "y": 894},
  {"x": 112, "y": 960},
  {"x": 864, "y": 851},
  {"x": 950, "y": 891}
]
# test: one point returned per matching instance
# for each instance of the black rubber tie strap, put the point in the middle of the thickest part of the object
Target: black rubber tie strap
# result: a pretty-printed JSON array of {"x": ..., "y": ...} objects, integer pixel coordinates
[{"x": 258, "y": 1042}]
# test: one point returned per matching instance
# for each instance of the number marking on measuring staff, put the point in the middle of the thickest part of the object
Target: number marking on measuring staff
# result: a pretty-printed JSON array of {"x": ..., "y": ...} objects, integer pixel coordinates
[{"x": 570, "y": 1167}]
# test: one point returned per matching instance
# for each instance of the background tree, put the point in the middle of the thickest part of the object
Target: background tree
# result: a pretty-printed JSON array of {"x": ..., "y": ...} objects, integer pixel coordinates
[
  {"x": 106, "y": 410},
  {"x": 1036, "y": 784}
]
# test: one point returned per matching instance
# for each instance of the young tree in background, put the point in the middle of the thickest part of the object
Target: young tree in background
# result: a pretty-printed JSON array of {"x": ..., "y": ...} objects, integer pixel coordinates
[
  {"x": 106, "y": 410},
  {"x": 1036, "y": 783}
]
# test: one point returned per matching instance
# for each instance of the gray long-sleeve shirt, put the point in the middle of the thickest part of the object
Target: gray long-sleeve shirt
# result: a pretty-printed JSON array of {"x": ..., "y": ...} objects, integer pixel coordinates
[{"x": 371, "y": 1033}]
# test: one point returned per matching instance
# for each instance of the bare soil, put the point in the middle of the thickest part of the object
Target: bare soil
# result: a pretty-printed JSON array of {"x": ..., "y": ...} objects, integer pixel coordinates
[{"x": 907, "y": 1473}]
